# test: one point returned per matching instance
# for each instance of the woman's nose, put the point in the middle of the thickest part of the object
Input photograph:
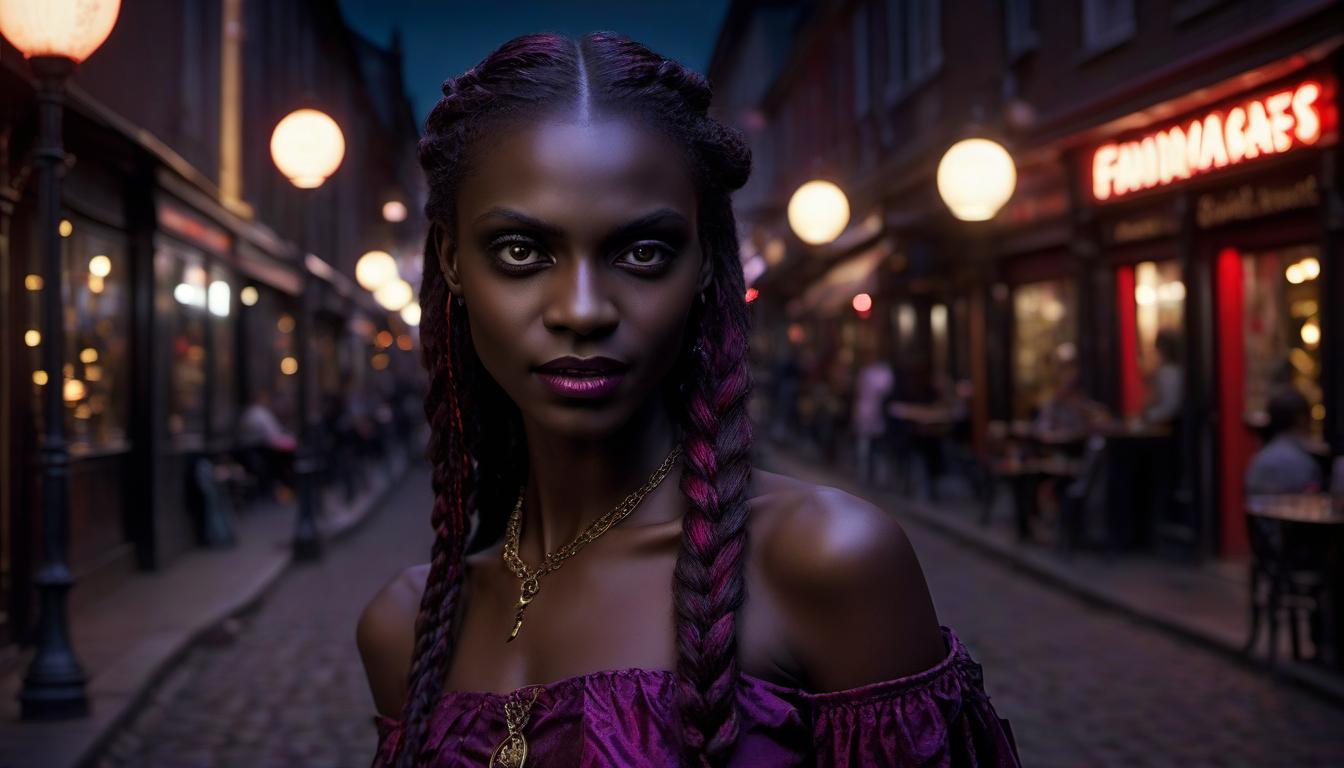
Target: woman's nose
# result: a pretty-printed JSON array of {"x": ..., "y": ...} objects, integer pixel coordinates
[{"x": 578, "y": 301}]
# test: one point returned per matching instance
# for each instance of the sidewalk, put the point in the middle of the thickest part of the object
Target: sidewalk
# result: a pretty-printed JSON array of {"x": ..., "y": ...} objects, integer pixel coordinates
[
  {"x": 127, "y": 641},
  {"x": 1205, "y": 603}
]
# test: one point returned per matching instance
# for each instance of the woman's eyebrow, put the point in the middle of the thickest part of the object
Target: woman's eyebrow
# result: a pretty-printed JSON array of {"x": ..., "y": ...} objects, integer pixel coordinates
[
  {"x": 656, "y": 218},
  {"x": 518, "y": 217},
  {"x": 660, "y": 217}
]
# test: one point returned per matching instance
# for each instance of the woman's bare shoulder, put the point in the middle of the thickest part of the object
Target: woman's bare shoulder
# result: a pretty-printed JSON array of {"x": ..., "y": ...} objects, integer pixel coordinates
[
  {"x": 847, "y": 581},
  {"x": 385, "y": 635}
]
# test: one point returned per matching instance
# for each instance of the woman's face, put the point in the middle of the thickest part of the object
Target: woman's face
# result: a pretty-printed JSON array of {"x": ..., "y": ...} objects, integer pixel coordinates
[{"x": 577, "y": 240}]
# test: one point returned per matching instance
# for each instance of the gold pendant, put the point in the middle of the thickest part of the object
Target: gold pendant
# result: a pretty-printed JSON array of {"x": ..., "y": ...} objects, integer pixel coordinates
[
  {"x": 511, "y": 752},
  {"x": 528, "y": 590}
]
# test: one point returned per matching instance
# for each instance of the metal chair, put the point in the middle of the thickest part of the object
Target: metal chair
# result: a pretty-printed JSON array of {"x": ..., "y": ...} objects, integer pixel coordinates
[{"x": 1286, "y": 581}]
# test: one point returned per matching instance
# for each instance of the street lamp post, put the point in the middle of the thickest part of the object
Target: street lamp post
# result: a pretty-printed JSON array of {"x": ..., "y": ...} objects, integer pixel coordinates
[
  {"x": 307, "y": 147},
  {"x": 54, "y": 35},
  {"x": 976, "y": 177}
]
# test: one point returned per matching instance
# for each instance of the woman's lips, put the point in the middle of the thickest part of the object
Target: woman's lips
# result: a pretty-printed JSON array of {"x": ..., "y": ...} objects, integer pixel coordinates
[{"x": 586, "y": 386}]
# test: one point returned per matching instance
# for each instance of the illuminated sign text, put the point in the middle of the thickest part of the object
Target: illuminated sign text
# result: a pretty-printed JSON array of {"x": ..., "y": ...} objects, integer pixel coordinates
[{"x": 1261, "y": 127}]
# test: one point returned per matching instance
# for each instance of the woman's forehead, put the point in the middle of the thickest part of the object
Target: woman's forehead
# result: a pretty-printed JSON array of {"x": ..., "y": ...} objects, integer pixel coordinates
[{"x": 604, "y": 163}]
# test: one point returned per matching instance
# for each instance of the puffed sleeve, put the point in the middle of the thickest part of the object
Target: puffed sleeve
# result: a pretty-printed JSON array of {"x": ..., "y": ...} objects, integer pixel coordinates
[
  {"x": 940, "y": 717},
  {"x": 389, "y": 735}
]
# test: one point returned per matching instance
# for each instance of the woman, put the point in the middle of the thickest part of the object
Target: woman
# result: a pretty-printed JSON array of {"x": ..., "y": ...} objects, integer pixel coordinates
[{"x": 611, "y": 583}]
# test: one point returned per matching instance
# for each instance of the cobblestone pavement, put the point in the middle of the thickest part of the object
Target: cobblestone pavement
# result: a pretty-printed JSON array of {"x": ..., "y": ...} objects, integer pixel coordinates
[
  {"x": 1086, "y": 687},
  {"x": 283, "y": 687},
  {"x": 1081, "y": 686}
]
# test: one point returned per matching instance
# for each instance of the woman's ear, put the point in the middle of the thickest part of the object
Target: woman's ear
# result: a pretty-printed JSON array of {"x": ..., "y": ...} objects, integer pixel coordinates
[{"x": 446, "y": 251}]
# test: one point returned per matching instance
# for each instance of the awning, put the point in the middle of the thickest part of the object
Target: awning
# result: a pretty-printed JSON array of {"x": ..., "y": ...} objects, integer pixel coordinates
[{"x": 835, "y": 289}]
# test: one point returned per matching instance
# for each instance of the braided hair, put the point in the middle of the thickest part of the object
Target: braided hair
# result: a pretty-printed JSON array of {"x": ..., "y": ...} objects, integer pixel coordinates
[{"x": 476, "y": 472}]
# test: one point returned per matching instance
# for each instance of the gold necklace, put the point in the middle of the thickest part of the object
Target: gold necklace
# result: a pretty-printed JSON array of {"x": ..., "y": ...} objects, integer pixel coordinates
[
  {"x": 512, "y": 751},
  {"x": 531, "y": 579}
]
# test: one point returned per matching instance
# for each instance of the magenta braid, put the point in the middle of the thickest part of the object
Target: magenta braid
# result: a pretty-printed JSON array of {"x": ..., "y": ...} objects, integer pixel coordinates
[{"x": 450, "y": 466}]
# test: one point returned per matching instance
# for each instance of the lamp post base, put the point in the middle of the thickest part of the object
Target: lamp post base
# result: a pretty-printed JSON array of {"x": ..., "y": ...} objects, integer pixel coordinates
[{"x": 53, "y": 688}]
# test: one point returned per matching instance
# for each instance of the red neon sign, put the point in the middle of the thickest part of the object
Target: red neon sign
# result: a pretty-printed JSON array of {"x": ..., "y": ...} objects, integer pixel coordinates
[{"x": 1280, "y": 122}]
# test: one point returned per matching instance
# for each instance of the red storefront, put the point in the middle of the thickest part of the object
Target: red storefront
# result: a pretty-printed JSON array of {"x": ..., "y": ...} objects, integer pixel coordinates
[{"x": 1211, "y": 215}]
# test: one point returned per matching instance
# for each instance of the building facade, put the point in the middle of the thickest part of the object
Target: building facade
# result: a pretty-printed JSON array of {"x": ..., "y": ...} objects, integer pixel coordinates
[
  {"x": 186, "y": 253},
  {"x": 1178, "y": 178}
]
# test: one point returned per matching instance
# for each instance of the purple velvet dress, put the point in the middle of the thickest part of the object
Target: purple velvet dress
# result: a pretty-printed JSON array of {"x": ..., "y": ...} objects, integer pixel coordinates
[{"x": 620, "y": 718}]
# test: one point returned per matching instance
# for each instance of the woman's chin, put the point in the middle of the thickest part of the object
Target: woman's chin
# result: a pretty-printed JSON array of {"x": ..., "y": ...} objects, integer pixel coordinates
[{"x": 598, "y": 419}]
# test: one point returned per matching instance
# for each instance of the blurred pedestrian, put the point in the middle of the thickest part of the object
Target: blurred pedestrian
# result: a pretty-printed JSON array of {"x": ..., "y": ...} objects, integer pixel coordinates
[
  {"x": 868, "y": 421},
  {"x": 1167, "y": 385}
]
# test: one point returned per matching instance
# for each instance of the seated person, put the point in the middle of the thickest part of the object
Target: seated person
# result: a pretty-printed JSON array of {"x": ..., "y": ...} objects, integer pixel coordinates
[
  {"x": 269, "y": 446},
  {"x": 1283, "y": 465}
]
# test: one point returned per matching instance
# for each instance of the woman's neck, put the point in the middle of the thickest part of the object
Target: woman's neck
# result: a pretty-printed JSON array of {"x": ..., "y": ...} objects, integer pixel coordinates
[{"x": 574, "y": 482}]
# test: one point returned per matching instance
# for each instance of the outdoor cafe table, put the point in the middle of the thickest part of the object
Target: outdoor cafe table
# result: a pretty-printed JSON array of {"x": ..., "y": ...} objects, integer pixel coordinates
[
  {"x": 924, "y": 427},
  {"x": 1314, "y": 515},
  {"x": 1133, "y": 453}
]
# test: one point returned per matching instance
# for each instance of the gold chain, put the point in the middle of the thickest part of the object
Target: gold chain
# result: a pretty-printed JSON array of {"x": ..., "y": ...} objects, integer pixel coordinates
[
  {"x": 512, "y": 751},
  {"x": 531, "y": 579}
]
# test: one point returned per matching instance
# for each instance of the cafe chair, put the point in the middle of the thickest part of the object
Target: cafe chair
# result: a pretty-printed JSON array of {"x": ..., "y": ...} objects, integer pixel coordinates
[{"x": 1285, "y": 583}]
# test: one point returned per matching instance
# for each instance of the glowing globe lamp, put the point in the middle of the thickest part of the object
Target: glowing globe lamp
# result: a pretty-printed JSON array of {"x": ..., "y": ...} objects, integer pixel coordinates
[
  {"x": 394, "y": 296},
  {"x": 410, "y": 313},
  {"x": 375, "y": 269},
  {"x": 818, "y": 212},
  {"x": 69, "y": 29},
  {"x": 307, "y": 146},
  {"x": 975, "y": 178}
]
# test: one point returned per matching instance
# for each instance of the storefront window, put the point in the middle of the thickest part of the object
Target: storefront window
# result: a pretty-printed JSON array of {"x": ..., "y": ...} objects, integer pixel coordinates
[
  {"x": 938, "y": 333},
  {"x": 1045, "y": 343},
  {"x": 96, "y": 373},
  {"x": 271, "y": 364},
  {"x": 1159, "y": 305},
  {"x": 1282, "y": 323},
  {"x": 220, "y": 301},
  {"x": 183, "y": 297}
]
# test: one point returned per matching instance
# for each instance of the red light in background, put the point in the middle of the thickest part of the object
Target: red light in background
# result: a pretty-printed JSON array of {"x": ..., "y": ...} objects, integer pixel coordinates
[
  {"x": 862, "y": 303},
  {"x": 752, "y": 293}
]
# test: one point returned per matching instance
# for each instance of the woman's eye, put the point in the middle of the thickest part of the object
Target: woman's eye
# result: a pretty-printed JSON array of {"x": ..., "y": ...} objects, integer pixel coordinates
[
  {"x": 647, "y": 256},
  {"x": 516, "y": 254}
]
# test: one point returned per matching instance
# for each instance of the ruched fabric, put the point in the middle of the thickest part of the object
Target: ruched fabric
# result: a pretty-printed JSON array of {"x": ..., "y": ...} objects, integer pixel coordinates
[{"x": 623, "y": 718}]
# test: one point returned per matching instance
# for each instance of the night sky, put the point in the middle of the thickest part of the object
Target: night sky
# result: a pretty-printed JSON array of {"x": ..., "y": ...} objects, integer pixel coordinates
[{"x": 443, "y": 38}]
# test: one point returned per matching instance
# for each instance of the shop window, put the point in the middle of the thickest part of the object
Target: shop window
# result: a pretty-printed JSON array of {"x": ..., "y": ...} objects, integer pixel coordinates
[
  {"x": 1282, "y": 324},
  {"x": 862, "y": 59},
  {"x": 896, "y": 68},
  {"x": 924, "y": 36},
  {"x": 938, "y": 333},
  {"x": 182, "y": 297},
  {"x": 268, "y": 332},
  {"x": 1019, "y": 21},
  {"x": 96, "y": 373},
  {"x": 1045, "y": 342},
  {"x": 914, "y": 43},
  {"x": 221, "y": 303},
  {"x": 1106, "y": 24},
  {"x": 1159, "y": 306},
  {"x": 905, "y": 319}
]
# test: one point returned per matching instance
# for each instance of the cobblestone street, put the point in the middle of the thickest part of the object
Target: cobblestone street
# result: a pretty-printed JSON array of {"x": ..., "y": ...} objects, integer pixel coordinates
[
  {"x": 1082, "y": 687},
  {"x": 284, "y": 686}
]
